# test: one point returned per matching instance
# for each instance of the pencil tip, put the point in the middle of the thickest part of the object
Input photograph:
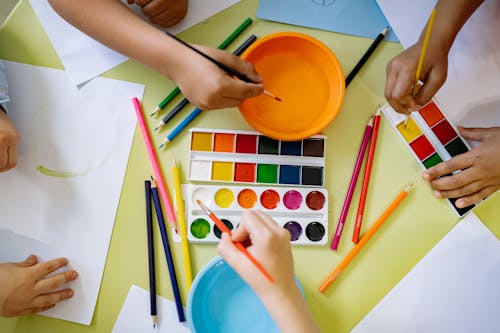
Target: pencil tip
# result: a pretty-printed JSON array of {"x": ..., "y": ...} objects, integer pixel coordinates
[
  {"x": 278, "y": 99},
  {"x": 410, "y": 187},
  {"x": 155, "y": 111},
  {"x": 174, "y": 161},
  {"x": 160, "y": 125}
]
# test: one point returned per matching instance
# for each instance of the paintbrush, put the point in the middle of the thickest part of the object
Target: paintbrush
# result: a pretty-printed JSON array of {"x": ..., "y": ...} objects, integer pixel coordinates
[{"x": 224, "y": 67}]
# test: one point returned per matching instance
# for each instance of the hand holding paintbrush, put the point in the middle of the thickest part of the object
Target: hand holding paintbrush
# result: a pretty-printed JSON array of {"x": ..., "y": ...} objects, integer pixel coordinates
[{"x": 229, "y": 70}]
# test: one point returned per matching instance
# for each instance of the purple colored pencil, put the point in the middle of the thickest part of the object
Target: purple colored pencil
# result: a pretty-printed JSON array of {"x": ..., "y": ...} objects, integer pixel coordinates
[{"x": 352, "y": 185}]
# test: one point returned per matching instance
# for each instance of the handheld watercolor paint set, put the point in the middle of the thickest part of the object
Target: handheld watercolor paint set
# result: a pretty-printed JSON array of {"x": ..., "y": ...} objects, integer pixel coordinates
[
  {"x": 431, "y": 138},
  {"x": 303, "y": 211},
  {"x": 250, "y": 157}
]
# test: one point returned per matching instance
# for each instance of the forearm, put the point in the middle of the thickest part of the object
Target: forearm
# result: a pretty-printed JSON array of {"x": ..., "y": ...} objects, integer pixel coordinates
[
  {"x": 451, "y": 15},
  {"x": 113, "y": 24},
  {"x": 290, "y": 312}
]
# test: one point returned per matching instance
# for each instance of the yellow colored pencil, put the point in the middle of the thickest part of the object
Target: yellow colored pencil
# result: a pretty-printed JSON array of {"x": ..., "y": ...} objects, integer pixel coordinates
[
  {"x": 340, "y": 268},
  {"x": 181, "y": 218},
  {"x": 423, "y": 51},
  {"x": 416, "y": 86}
]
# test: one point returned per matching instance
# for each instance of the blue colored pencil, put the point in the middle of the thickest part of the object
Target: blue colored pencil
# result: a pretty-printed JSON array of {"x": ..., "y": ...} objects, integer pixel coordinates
[
  {"x": 180, "y": 127},
  {"x": 168, "y": 253},
  {"x": 151, "y": 253}
]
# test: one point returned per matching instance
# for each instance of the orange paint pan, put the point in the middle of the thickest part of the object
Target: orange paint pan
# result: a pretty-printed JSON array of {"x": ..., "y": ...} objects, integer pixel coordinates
[{"x": 305, "y": 74}]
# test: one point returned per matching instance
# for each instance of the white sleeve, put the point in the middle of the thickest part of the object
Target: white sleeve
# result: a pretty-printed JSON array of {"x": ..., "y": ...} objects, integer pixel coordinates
[{"x": 4, "y": 88}]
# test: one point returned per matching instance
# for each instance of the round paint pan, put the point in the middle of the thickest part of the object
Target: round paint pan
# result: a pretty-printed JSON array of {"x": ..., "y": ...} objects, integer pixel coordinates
[
  {"x": 308, "y": 78},
  {"x": 219, "y": 301}
]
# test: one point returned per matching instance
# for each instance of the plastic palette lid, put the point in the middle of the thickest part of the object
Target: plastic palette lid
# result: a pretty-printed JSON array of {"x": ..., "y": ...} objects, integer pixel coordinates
[{"x": 305, "y": 74}]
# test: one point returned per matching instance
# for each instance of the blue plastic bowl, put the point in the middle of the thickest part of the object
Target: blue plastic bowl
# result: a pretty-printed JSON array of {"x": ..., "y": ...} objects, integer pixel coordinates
[{"x": 220, "y": 301}]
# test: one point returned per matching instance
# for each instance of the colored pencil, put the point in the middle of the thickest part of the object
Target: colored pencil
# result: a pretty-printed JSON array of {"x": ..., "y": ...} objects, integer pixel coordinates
[
  {"x": 222, "y": 46},
  {"x": 151, "y": 252},
  {"x": 168, "y": 253},
  {"x": 239, "y": 245},
  {"x": 367, "y": 55},
  {"x": 181, "y": 215},
  {"x": 423, "y": 51},
  {"x": 178, "y": 129},
  {"x": 154, "y": 161},
  {"x": 224, "y": 67},
  {"x": 343, "y": 264},
  {"x": 352, "y": 185},
  {"x": 366, "y": 177},
  {"x": 420, "y": 64},
  {"x": 175, "y": 110}
]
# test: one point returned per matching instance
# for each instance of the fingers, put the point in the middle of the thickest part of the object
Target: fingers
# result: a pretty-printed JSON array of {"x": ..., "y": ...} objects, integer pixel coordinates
[
  {"x": 477, "y": 134},
  {"x": 433, "y": 82},
  {"x": 8, "y": 156},
  {"x": 457, "y": 192},
  {"x": 48, "y": 267},
  {"x": 237, "y": 90},
  {"x": 475, "y": 197},
  {"x": 34, "y": 310},
  {"x": 231, "y": 254},
  {"x": 47, "y": 300},
  {"x": 459, "y": 162},
  {"x": 28, "y": 262},
  {"x": 399, "y": 87},
  {"x": 46, "y": 285}
]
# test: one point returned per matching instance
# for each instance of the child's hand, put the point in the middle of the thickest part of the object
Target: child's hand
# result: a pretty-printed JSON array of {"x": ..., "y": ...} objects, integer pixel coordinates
[
  {"x": 166, "y": 13},
  {"x": 26, "y": 289},
  {"x": 8, "y": 143},
  {"x": 481, "y": 169},
  {"x": 207, "y": 86},
  {"x": 269, "y": 244},
  {"x": 401, "y": 77}
]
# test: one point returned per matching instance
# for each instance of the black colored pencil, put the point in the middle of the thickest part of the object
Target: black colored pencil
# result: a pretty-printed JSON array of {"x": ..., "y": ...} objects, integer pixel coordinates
[
  {"x": 365, "y": 56},
  {"x": 151, "y": 253},
  {"x": 168, "y": 253}
]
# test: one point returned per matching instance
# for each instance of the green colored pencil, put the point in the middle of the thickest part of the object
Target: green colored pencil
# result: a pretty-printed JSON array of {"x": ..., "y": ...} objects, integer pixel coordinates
[{"x": 222, "y": 46}]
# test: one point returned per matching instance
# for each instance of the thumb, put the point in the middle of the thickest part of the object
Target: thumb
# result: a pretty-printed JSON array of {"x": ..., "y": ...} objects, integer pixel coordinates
[
  {"x": 28, "y": 262},
  {"x": 228, "y": 251},
  {"x": 477, "y": 133}
]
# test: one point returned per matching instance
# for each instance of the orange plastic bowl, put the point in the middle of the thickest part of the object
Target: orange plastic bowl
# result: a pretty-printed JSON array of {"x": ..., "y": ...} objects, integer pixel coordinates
[{"x": 305, "y": 74}]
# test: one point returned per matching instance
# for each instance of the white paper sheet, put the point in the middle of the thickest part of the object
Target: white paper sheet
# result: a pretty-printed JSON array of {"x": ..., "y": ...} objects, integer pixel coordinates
[
  {"x": 84, "y": 58},
  {"x": 135, "y": 315},
  {"x": 454, "y": 288},
  {"x": 471, "y": 95},
  {"x": 84, "y": 135}
]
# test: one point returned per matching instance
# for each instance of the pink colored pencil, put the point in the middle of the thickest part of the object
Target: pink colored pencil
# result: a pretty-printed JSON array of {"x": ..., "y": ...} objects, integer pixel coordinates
[
  {"x": 352, "y": 185},
  {"x": 366, "y": 178},
  {"x": 167, "y": 203}
]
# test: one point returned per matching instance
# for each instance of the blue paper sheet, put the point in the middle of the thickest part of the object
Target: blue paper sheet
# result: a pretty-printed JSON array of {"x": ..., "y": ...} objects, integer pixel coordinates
[{"x": 354, "y": 17}]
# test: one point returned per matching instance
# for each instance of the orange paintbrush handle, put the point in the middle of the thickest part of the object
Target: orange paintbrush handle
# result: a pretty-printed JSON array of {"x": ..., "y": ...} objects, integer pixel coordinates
[{"x": 240, "y": 246}]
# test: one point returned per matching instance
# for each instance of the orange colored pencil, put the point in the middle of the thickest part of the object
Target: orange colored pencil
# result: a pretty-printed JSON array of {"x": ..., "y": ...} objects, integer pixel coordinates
[
  {"x": 240, "y": 246},
  {"x": 366, "y": 178},
  {"x": 333, "y": 275}
]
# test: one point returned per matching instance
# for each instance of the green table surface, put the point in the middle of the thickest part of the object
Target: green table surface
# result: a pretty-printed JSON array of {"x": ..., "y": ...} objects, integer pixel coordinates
[{"x": 414, "y": 228}]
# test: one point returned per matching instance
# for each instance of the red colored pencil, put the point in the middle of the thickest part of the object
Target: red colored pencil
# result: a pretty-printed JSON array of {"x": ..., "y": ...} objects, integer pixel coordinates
[
  {"x": 366, "y": 177},
  {"x": 240, "y": 246},
  {"x": 352, "y": 185}
]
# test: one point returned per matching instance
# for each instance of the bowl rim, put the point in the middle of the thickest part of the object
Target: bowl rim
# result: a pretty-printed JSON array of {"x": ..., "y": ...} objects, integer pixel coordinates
[{"x": 336, "y": 104}]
